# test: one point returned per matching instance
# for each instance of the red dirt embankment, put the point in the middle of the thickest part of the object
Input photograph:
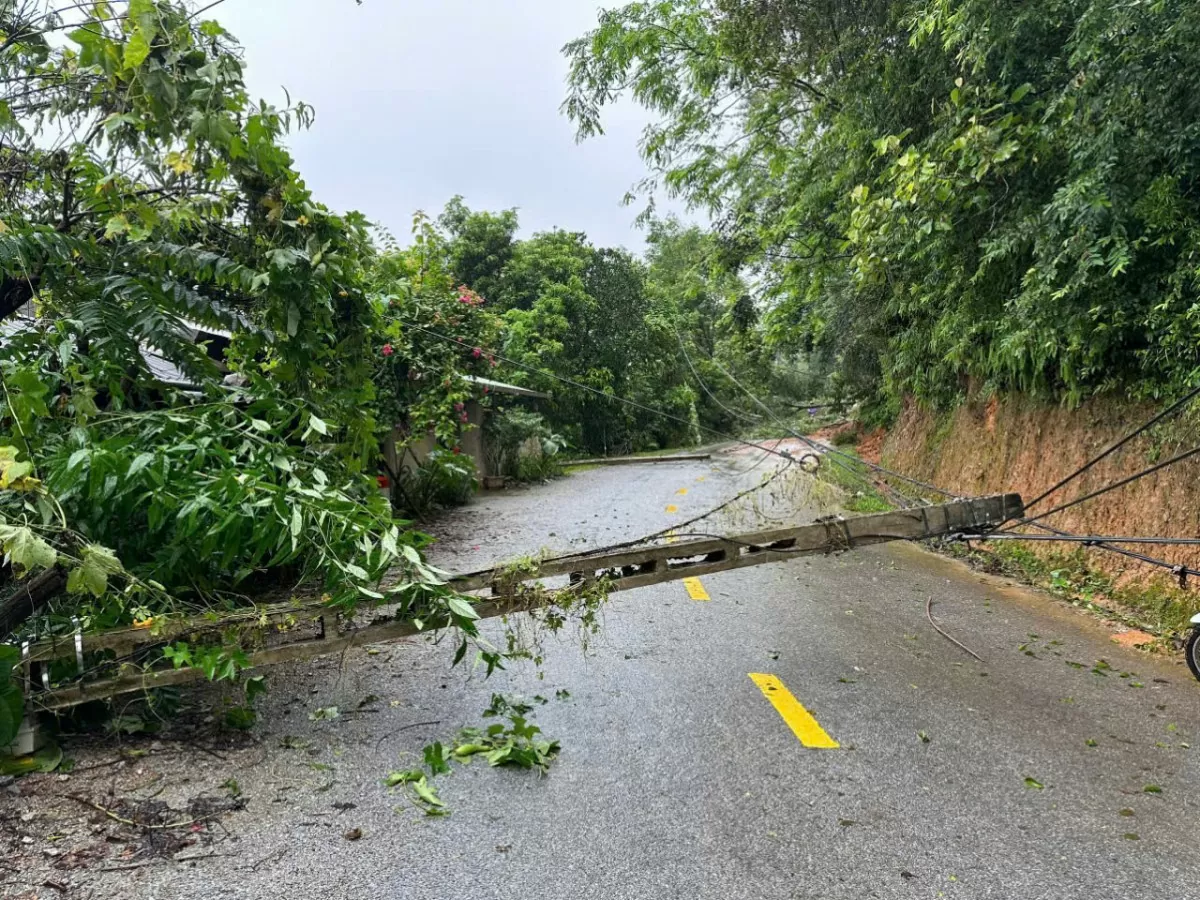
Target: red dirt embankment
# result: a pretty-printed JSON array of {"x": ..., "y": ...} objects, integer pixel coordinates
[{"x": 1017, "y": 444}]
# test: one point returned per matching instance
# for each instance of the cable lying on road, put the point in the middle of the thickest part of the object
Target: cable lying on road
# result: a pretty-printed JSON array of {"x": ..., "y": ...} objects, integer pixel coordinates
[
  {"x": 938, "y": 629},
  {"x": 833, "y": 451},
  {"x": 674, "y": 529}
]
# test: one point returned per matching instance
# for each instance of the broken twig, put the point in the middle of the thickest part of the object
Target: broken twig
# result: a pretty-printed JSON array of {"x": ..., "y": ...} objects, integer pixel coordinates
[{"x": 133, "y": 823}]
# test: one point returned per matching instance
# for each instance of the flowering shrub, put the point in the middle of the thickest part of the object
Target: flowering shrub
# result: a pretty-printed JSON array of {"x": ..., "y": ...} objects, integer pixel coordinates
[{"x": 432, "y": 333}]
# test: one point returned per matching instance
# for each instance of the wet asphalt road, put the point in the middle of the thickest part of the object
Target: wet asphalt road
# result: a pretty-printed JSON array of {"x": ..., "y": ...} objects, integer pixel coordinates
[{"x": 679, "y": 780}]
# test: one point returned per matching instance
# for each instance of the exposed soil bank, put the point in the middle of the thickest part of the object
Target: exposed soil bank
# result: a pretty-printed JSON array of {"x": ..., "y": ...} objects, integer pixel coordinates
[{"x": 1014, "y": 443}]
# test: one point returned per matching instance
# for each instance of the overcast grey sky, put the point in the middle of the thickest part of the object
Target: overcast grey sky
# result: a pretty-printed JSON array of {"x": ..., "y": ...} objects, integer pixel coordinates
[{"x": 419, "y": 100}]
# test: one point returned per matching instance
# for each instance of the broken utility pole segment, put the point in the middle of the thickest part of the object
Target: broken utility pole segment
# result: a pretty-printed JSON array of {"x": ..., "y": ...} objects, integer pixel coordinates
[{"x": 293, "y": 631}]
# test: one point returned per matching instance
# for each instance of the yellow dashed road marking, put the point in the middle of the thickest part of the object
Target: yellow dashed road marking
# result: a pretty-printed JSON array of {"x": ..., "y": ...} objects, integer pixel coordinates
[
  {"x": 799, "y": 719},
  {"x": 672, "y": 508},
  {"x": 681, "y": 491},
  {"x": 695, "y": 589}
]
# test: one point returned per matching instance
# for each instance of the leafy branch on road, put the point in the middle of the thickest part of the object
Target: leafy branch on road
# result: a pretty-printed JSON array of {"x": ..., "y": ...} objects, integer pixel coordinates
[{"x": 514, "y": 742}]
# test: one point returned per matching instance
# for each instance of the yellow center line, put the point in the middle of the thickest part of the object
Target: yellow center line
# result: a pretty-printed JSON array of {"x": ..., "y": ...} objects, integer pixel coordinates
[
  {"x": 695, "y": 589},
  {"x": 672, "y": 508},
  {"x": 799, "y": 719},
  {"x": 681, "y": 491}
]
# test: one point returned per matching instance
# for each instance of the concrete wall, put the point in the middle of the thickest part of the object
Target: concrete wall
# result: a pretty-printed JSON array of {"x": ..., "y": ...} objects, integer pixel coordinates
[{"x": 470, "y": 440}]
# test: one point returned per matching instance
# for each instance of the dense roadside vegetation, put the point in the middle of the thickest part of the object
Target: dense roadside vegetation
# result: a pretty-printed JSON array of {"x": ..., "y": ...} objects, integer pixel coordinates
[
  {"x": 623, "y": 327},
  {"x": 201, "y": 364},
  {"x": 934, "y": 195},
  {"x": 143, "y": 473}
]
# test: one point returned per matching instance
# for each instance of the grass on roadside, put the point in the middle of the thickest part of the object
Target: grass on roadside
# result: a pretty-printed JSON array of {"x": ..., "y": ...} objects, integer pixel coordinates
[
  {"x": 1152, "y": 605},
  {"x": 852, "y": 477}
]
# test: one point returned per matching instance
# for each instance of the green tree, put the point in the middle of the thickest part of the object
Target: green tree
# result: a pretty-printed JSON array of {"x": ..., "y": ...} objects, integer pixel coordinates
[
  {"x": 933, "y": 194},
  {"x": 145, "y": 192},
  {"x": 547, "y": 259},
  {"x": 481, "y": 244}
]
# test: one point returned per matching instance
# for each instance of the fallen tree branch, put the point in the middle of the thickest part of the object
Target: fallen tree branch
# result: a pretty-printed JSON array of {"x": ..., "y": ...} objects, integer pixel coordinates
[
  {"x": 28, "y": 597},
  {"x": 134, "y": 823}
]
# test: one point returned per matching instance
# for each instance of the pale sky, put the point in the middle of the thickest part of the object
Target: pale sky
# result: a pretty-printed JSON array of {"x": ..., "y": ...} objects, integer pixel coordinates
[{"x": 419, "y": 100}]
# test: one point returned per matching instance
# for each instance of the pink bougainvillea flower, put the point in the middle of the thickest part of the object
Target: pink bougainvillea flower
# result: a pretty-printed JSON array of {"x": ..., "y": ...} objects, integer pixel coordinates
[
  {"x": 464, "y": 417},
  {"x": 387, "y": 350},
  {"x": 458, "y": 406},
  {"x": 477, "y": 353},
  {"x": 486, "y": 389},
  {"x": 457, "y": 450}
]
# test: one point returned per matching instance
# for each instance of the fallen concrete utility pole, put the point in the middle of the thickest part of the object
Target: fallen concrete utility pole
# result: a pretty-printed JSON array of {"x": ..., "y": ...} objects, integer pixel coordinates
[{"x": 294, "y": 631}]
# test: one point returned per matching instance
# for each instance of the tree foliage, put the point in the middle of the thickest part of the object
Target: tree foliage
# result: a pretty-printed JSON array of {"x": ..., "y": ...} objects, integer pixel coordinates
[
  {"x": 595, "y": 326},
  {"x": 146, "y": 197},
  {"x": 934, "y": 193}
]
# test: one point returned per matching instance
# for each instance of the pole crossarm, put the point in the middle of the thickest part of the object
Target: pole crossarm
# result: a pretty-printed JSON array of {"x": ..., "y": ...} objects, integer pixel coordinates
[{"x": 297, "y": 631}]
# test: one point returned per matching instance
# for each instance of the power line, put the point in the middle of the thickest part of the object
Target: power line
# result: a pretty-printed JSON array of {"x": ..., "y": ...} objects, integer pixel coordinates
[
  {"x": 1099, "y": 541},
  {"x": 733, "y": 412},
  {"x": 674, "y": 529},
  {"x": 787, "y": 457},
  {"x": 810, "y": 443},
  {"x": 1079, "y": 538},
  {"x": 832, "y": 450},
  {"x": 1178, "y": 404},
  {"x": 1110, "y": 487},
  {"x": 1182, "y": 571},
  {"x": 778, "y": 420}
]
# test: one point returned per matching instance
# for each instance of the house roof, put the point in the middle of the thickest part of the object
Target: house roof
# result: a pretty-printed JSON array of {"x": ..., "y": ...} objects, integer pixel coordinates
[{"x": 500, "y": 387}]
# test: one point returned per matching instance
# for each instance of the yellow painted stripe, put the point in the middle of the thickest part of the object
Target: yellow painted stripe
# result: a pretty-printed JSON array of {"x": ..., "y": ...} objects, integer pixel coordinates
[
  {"x": 681, "y": 491},
  {"x": 672, "y": 508},
  {"x": 695, "y": 589},
  {"x": 799, "y": 719}
]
